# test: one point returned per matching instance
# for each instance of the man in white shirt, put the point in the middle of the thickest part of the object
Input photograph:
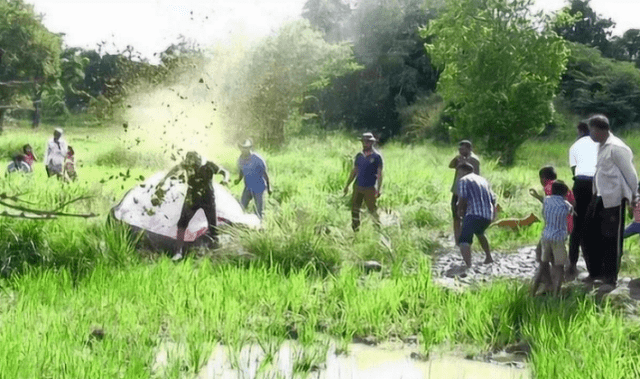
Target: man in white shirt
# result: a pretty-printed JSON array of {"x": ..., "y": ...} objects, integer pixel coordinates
[
  {"x": 583, "y": 156},
  {"x": 55, "y": 152},
  {"x": 615, "y": 182}
]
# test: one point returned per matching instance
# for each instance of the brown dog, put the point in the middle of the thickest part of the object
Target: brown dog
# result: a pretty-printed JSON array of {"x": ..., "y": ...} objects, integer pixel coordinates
[{"x": 515, "y": 223}]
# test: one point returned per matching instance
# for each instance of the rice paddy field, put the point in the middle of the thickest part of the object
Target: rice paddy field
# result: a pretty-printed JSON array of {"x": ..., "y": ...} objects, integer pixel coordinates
[{"x": 78, "y": 299}]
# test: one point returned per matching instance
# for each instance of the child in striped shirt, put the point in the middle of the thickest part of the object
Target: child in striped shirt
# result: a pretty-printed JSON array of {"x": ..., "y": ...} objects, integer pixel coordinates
[{"x": 555, "y": 210}]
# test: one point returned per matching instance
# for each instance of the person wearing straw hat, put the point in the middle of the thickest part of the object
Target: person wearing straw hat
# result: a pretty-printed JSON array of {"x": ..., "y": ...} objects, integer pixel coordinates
[
  {"x": 55, "y": 152},
  {"x": 253, "y": 169},
  {"x": 367, "y": 171}
]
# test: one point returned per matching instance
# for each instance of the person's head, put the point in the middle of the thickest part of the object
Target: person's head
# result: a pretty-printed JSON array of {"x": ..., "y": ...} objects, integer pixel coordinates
[
  {"x": 464, "y": 148},
  {"x": 599, "y": 128},
  {"x": 464, "y": 169},
  {"x": 559, "y": 188},
  {"x": 245, "y": 147},
  {"x": 547, "y": 173},
  {"x": 582, "y": 128},
  {"x": 26, "y": 149},
  {"x": 70, "y": 150},
  {"x": 57, "y": 133},
  {"x": 367, "y": 140},
  {"x": 193, "y": 160}
]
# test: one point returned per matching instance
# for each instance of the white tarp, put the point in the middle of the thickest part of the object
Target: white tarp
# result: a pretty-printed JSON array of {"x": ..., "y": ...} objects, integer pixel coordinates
[{"x": 136, "y": 209}]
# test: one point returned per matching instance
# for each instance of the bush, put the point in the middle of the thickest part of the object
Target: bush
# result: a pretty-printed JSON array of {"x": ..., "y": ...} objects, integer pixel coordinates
[{"x": 421, "y": 119}]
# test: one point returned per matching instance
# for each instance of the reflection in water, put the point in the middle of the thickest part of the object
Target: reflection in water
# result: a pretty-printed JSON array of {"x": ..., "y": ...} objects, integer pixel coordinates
[{"x": 362, "y": 362}]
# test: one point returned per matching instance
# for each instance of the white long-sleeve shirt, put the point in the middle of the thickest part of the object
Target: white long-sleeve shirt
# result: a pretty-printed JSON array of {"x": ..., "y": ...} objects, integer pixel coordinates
[
  {"x": 615, "y": 177},
  {"x": 55, "y": 152}
]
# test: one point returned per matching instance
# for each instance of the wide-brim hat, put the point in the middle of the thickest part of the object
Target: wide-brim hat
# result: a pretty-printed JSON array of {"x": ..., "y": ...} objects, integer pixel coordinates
[
  {"x": 368, "y": 137},
  {"x": 247, "y": 144},
  {"x": 58, "y": 130}
]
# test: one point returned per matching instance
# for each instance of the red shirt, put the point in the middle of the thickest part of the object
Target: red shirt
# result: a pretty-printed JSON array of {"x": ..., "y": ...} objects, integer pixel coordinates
[
  {"x": 547, "y": 191},
  {"x": 29, "y": 158}
]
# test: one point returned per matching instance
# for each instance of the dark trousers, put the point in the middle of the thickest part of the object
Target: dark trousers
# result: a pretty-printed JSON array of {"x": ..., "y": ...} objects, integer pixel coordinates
[
  {"x": 191, "y": 206},
  {"x": 603, "y": 240},
  {"x": 368, "y": 195},
  {"x": 582, "y": 191}
]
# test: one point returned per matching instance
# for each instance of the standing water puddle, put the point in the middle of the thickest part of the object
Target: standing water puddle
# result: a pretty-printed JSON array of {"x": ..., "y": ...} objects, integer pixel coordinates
[{"x": 361, "y": 362}]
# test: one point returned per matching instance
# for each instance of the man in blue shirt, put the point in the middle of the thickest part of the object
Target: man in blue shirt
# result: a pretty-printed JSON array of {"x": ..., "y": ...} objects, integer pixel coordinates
[
  {"x": 367, "y": 170},
  {"x": 476, "y": 204},
  {"x": 253, "y": 169}
]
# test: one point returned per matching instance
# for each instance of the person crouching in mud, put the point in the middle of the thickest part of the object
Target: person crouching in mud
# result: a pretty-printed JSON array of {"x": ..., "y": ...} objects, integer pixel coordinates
[{"x": 200, "y": 194}]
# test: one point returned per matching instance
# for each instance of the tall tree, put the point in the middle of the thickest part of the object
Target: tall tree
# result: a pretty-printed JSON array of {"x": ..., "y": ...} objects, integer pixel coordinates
[
  {"x": 397, "y": 70},
  {"x": 327, "y": 16},
  {"x": 595, "y": 84},
  {"x": 589, "y": 28},
  {"x": 31, "y": 55},
  {"x": 500, "y": 71},
  {"x": 283, "y": 69}
]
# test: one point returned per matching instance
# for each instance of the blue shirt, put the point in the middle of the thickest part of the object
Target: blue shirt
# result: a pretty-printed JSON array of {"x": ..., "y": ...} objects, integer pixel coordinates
[
  {"x": 253, "y": 169},
  {"x": 555, "y": 210},
  {"x": 367, "y": 167},
  {"x": 477, "y": 191}
]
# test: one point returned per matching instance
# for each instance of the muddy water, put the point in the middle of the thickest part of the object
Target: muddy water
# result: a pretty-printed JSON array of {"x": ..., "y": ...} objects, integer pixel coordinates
[{"x": 361, "y": 362}]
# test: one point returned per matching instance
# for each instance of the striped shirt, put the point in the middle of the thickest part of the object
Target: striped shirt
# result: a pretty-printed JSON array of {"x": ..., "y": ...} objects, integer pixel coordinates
[
  {"x": 555, "y": 210},
  {"x": 477, "y": 191}
]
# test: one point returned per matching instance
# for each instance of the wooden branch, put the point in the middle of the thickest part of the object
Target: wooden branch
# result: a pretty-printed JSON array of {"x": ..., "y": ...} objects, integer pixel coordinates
[
  {"x": 39, "y": 214},
  {"x": 14, "y": 198},
  {"x": 25, "y": 216},
  {"x": 71, "y": 202}
]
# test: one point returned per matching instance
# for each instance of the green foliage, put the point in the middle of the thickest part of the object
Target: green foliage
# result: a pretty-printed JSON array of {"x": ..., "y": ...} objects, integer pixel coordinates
[
  {"x": 281, "y": 70},
  {"x": 588, "y": 27},
  {"x": 423, "y": 119},
  {"x": 594, "y": 84},
  {"x": 396, "y": 72},
  {"x": 119, "y": 156},
  {"x": 327, "y": 16},
  {"x": 500, "y": 72},
  {"x": 31, "y": 54}
]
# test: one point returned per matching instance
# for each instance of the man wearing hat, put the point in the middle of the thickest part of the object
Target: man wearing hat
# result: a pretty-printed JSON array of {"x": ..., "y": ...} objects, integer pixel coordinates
[
  {"x": 466, "y": 156},
  {"x": 253, "y": 169},
  {"x": 55, "y": 152},
  {"x": 367, "y": 170}
]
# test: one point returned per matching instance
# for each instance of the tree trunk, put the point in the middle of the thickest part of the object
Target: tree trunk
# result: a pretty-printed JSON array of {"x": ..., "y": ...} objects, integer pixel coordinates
[{"x": 2, "y": 119}]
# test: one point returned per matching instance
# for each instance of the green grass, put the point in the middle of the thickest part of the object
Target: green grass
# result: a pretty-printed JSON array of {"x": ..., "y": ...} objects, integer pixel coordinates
[{"x": 64, "y": 278}]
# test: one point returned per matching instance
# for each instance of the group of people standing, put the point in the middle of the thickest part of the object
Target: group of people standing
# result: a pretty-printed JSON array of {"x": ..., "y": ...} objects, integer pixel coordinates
[
  {"x": 59, "y": 159},
  {"x": 593, "y": 214}
]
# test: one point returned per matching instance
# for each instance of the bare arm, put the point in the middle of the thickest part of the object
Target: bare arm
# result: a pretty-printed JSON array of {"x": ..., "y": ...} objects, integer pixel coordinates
[
  {"x": 240, "y": 177},
  {"x": 225, "y": 174},
  {"x": 536, "y": 195},
  {"x": 462, "y": 207},
  {"x": 454, "y": 162},
  {"x": 352, "y": 176},
  {"x": 266, "y": 179},
  {"x": 379, "y": 181}
]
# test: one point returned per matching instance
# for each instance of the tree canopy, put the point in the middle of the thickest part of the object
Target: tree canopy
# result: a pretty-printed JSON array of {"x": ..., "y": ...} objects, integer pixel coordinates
[
  {"x": 31, "y": 54},
  {"x": 282, "y": 70},
  {"x": 500, "y": 71}
]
